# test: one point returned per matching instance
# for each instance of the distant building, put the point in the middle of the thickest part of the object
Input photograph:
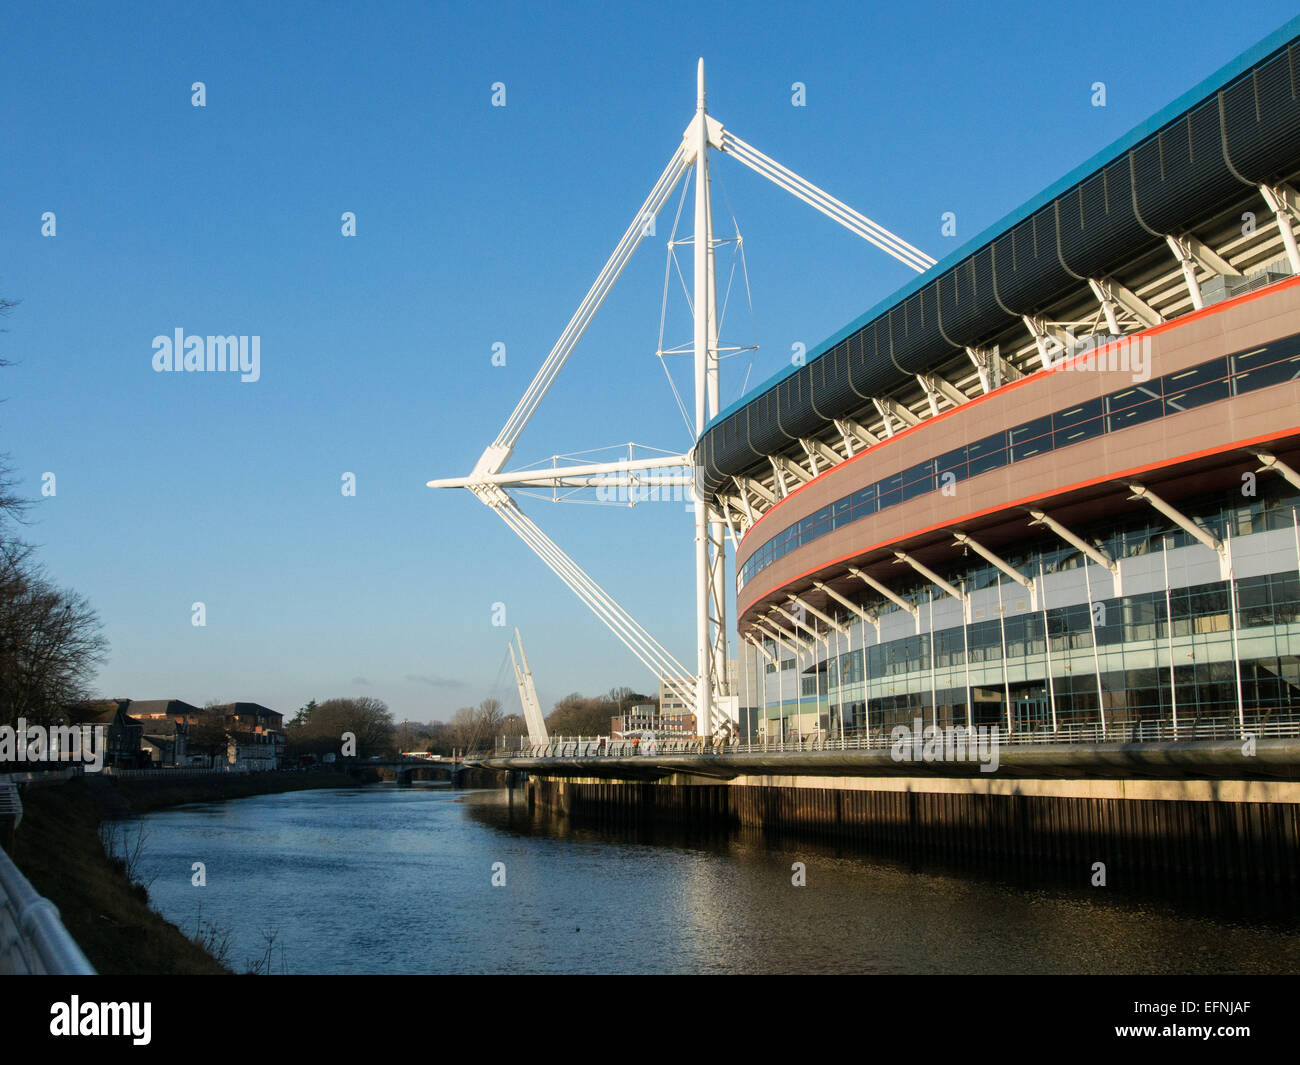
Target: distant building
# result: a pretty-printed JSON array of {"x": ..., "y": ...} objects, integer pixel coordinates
[
  {"x": 672, "y": 705},
  {"x": 165, "y": 748},
  {"x": 252, "y": 752},
  {"x": 154, "y": 710},
  {"x": 669, "y": 701},
  {"x": 252, "y": 717},
  {"x": 166, "y": 725},
  {"x": 646, "y": 717},
  {"x": 255, "y": 735},
  {"x": 123, "y": 735},
  {"x": 172, "y": 732}
]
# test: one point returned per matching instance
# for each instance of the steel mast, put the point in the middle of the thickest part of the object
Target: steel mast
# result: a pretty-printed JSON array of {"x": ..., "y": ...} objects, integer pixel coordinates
[
  {"x": 706, "y": 406},
  {"x": 533, "y": 716},
  {"x": 709, "y": 689}
]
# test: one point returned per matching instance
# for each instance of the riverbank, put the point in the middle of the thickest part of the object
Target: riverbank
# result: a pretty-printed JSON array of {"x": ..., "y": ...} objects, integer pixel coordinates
[{"x": 59, "y": 849}]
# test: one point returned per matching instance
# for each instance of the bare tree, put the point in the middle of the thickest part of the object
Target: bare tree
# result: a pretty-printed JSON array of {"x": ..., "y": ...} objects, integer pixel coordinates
[
  {"x": 577, "y": 715},
  {"x": 50, "y": 640},
  {"x": 208, "y": 733},
  {"x": 12, "y": 505},
  {"x": 488, "y": 718},
  {"x": 514, "y": 725},
  {"x": 460, "y": 729},
  {"x": 125, "y": 850}
]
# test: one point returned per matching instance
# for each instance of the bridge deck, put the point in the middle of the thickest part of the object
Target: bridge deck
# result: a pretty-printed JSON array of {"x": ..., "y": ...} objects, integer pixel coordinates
[{"x": 1273, "y": 759}]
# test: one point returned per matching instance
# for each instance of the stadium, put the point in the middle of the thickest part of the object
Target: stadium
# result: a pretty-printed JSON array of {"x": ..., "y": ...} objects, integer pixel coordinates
[{"x": 1051, "y": 485}]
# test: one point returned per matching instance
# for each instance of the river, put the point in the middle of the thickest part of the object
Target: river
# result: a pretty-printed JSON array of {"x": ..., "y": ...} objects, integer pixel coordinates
[{"x": 387, "y": 880}]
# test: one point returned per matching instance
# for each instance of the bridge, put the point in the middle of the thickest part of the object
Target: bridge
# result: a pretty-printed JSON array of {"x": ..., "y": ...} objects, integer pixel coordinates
[
  {"x": 1219, "y": 749},
  {"x": 406, "y": 767}
]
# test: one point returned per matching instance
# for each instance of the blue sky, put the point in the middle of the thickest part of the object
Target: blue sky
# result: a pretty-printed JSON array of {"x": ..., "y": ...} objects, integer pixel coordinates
[{"x": 475, "y": 225}]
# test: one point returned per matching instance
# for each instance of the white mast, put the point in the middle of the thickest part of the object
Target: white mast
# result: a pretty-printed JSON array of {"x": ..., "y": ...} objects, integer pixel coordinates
[
  {"x": 528, "y": 695},
  {"x": 706, "y": 385},
  {"x": 708, "y": 691},
  {"x": 710, "y": 554}
]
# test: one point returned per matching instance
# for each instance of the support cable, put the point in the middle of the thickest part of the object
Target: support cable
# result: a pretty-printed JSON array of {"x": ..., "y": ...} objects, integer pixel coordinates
[
  {"x": 677, "y": 166},
  {"x": 823, "y": 201}
]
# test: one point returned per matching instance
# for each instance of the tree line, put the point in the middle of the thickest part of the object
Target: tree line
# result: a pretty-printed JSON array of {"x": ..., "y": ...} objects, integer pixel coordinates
[
  {"x": 51, "y": 639},
  {"x": 479, "y": 726},
  {"x": 317, "y": 728}
]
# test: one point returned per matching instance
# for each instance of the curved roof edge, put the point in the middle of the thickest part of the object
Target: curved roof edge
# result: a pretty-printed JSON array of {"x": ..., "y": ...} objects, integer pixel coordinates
[{"x": 1275, "y": 41}]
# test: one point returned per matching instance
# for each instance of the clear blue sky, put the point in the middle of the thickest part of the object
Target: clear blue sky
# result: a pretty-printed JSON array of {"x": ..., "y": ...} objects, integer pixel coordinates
[{"x": 475, "y": 225}]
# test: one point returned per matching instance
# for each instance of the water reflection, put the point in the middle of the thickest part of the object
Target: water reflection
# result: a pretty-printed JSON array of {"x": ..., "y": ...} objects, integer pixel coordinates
[
  {"x": 387, "y": 880},
  {"x": 1272, "y": 904}
]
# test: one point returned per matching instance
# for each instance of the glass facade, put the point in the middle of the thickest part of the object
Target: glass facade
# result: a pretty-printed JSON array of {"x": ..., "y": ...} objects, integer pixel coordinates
[
  {"x": 1175, "y": 393},
  {"x": 1183, "y": 653}
]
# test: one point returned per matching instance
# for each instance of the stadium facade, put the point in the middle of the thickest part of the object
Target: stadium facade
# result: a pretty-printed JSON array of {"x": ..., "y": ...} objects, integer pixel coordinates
[{"x": 1050, "y": 485}]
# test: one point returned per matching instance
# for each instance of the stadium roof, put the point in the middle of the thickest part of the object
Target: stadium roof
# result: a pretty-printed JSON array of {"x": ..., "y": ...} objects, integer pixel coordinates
[{"x": 1236, "y": 129}]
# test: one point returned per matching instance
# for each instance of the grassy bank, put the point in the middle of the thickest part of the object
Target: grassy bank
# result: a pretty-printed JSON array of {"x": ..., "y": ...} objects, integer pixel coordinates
[{"x": 59, "y": 850}]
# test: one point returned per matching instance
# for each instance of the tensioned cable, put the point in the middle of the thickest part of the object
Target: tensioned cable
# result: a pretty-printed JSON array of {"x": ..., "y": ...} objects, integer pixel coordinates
[
  {"x": 749, "y": 295},
  {"x": 651, "y": 653},
  {"x": 582, "y": 317},
  {"x": 823, "y": 201},
  {"x": 670, "y": 261}
]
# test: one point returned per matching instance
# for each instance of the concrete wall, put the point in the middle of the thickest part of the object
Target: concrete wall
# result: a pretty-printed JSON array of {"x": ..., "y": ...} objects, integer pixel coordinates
[{"x": 1141, "y": 832}]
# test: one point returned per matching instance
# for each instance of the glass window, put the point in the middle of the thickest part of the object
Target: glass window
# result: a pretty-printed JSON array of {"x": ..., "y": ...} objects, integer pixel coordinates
[
  {"x": 1185, "y": 390},
  {"x": 918, "y": 480},
  {"x": 1032, "y": 438},
  {"x": 987, "y": 454},
  {"x": 1266, "y": 366},
  {"x": 891, "y": 490},
  {"x": 954, "y": 464},
  {"x": 863, "y": 501},
  {"x": 1133, "y": 406},
  {"x": 821, "y": 525},
  {"x": 1078, "y": 423},
  {"x": 1202, "y": 384}
]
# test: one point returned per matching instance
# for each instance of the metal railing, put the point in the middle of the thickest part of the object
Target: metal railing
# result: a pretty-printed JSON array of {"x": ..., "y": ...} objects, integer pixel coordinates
[
  {"x": 1138, "y": 731},
  {"x": 11, "y": 814},
  {"x": 176, "y": 771},
  {"x": 32, "y": 937},
  {"x": 41, "y": 776}
]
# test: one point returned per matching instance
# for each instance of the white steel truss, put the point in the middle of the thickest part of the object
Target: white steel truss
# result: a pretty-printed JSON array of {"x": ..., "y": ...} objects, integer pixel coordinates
[
  {"x": 645, "y": 647},
  {"x": 706, "y": 690},
  {"x": 533, "y": 716}
]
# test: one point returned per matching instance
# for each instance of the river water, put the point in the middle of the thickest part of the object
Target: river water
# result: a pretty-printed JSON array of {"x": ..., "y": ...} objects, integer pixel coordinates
[{"x": 387, "y": 880}]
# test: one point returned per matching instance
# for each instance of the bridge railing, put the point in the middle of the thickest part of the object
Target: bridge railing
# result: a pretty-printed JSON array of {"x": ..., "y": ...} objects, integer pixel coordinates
[
  {"x": 175, "y": 771},
  {"x": 36, "y": 777},
  {"x": 32, "y": 937},
  {"x": 1140, "y": 731}
]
